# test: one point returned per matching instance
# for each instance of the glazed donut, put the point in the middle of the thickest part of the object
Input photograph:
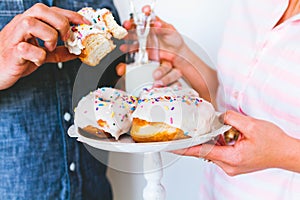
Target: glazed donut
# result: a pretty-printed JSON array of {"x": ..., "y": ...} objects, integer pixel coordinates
[
  {"x": 93, "y": 42},
  {"x": 165, "y": 114},
  {"x": 105, "y": 111},
  {"x": 160, "y": 114}
]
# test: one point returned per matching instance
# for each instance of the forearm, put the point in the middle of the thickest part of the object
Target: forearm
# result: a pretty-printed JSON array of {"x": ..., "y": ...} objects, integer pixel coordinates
[{"x": 201, "y": 77}]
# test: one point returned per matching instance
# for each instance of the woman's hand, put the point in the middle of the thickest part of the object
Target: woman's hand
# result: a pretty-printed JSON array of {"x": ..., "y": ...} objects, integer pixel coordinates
[
  {"x": 20, "y": 53},
  {"x": 166, "y": 74},
  {"x": 262, "y": 145},
  {"x": 183, "y": 60},
  {"x": 170, "y": 41}
]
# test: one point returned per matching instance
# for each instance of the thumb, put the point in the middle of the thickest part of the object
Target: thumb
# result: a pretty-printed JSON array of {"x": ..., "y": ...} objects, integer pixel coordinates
[
  {"x": 60, "y": 54},
  {"x": 237, "y": 120}
]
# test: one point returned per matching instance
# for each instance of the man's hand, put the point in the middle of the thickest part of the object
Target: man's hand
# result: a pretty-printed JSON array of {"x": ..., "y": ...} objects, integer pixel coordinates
[{"x": 20, "y": 53}]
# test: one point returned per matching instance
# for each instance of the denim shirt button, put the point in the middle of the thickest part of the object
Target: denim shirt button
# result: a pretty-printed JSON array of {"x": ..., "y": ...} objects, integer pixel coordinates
[
  {"x": 60, "y": 65},
  {"x": 67, "y": 117},
  {"x": 72, "y": 167}
]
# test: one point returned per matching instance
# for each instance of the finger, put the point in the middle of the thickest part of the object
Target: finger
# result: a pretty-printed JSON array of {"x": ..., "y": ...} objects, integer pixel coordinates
[
  {"x": 169, "y": 78},
  {"x": 33, "y": 27},
  {"x": 147, "y": 10},
  {"x": 32, "y": 53},
  {"x": 167, "y": 55},
  {"x": 73, "y": 17},
  {"x": 199, "y": 151},
  {"x": 162, "y": 28},
  {"x": 58, "y": 18},
  {"x": 217, "y": 153},
  {"x": 121, "y": 69},
  {"x": 209, "y": 152},
  {"x": 237, "y": 120},
  {"x": 127, "y": 24},
  {"x": 161, "y": 24},
  {"x": 165, "y": 67},
  {"x": 131, "y": 36},
  {"x": 60, "y": 54},
  {"x": 129, "y": 48},
  {"x": 153, "y": 54},
  {"x": 54, "y": 19},
  {"x": 177, "y": 84},
  {"x": 192, "y": 151}
]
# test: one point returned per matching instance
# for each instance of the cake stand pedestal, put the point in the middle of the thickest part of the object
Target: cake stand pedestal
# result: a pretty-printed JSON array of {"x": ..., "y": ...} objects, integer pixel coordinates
[{"x": 154, "y": 190}]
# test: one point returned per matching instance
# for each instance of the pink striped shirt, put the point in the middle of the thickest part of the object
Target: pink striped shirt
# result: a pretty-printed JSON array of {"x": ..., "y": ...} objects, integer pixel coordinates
[{"x": 259, "y": 74}]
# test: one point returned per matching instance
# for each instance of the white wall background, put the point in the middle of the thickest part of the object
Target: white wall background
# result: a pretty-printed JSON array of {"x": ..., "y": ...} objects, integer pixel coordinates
[{"x": 203, "y": 22}]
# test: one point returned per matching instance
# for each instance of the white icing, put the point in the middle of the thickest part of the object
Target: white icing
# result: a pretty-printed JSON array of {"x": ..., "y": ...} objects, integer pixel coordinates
[
  {"x": 182, "y": 109},
  {"x": 80, "y": 32},
  {"x": 108, "y": 105}
]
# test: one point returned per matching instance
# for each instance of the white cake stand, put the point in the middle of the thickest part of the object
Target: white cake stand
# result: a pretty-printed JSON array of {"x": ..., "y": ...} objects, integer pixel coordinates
[{"x": 153, "y": 172}]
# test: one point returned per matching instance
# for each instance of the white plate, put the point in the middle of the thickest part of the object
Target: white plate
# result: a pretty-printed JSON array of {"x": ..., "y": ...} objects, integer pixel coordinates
[{"x": 127, "y": 145}]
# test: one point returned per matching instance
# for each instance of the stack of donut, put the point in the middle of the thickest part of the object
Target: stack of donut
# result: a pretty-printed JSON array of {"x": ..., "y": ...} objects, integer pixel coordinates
[{"x": 160, "y": 114}]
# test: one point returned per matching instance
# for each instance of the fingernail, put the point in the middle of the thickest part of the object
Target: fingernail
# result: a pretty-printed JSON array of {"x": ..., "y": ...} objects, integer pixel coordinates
[
  {"x": 37, "y": 62},
  {"x": 50, "y": 46},
  {"x": 157, "y": 24},
  {"x": 127, "y": 24},
  {"x": 157, "y": 74},
  {"x": 158, "y": 83},
  {"x": 86, "y": 21}
]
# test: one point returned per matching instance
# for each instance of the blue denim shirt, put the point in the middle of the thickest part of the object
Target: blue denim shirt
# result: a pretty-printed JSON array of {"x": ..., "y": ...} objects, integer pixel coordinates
[{"x": 38, "y": 160}]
